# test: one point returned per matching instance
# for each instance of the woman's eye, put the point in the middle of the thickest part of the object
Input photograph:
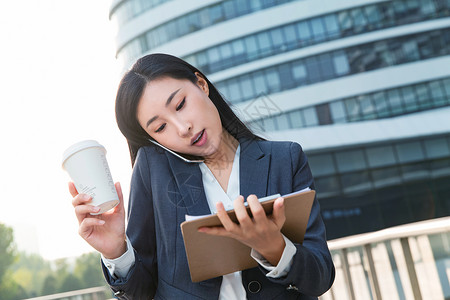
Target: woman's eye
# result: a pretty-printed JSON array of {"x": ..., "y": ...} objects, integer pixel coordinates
[
  {"x": 181, "y": 104},
  {"x": 160, "y": 128}
]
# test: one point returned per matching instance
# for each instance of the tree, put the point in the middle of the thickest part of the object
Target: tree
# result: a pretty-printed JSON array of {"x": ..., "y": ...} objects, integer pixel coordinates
[
  {"x": 62, "y": 267},
  {"x": 11, "y": 290},
  {"x": 31, "y": 270},
  {"x": 70, "y": 283},
  {"x": 88, "y": 269},
  {"x": 7, "y": 249},
  {"x": 49, "y": 286},
  {"x": 25, "y": 275}
]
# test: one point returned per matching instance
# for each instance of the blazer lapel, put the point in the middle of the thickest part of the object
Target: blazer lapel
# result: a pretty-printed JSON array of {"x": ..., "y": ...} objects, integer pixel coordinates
[
  {"x": 253, "y": 178},
  {"x": 253, "y": 169},
  {"x": 188, "y": 186}
]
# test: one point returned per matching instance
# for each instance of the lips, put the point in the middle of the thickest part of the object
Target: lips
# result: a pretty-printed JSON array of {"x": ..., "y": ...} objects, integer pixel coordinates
[{"x": 198, "y": 137}]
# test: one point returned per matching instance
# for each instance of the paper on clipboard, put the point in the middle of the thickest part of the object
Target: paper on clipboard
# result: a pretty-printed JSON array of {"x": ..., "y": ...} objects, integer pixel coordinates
[
  {"x": 211, "y": 256},
  {"x": 261, "y": 200}
]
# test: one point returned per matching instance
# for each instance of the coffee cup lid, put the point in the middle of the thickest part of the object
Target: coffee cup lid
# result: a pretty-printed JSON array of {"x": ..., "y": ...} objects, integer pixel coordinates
[{"x": 80, "y": 146}]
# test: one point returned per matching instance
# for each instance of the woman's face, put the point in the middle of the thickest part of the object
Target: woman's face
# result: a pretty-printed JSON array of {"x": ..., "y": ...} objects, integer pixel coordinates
[{"x": 179, "y": 115}]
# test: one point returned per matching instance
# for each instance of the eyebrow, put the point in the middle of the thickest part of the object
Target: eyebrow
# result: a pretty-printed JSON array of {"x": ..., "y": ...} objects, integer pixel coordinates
[
  {"x": 151, "y": 120},
  {"x": 167, "y": 103},
  {"x": 171, "y": 97}
]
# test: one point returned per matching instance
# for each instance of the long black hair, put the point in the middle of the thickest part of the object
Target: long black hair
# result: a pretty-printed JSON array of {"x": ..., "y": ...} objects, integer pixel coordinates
[{"x": 156, "y": 66}]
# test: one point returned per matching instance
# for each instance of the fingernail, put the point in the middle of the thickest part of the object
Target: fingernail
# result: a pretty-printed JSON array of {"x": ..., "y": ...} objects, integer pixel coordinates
[
  {"x": 281, "y": 201},
  {"x": 201, "y": 229},
  {"x": 101, "y": 222},
  {"x": 95, "y": 208},
  {"x": 86, "y": 196}
]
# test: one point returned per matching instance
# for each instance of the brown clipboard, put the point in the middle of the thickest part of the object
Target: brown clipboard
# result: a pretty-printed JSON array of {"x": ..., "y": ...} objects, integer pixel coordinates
[{"x": 211, "y": 256}]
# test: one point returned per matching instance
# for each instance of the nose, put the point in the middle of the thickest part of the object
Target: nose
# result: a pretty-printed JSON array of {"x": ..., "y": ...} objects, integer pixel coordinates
[{"x": 183, "y": 128}]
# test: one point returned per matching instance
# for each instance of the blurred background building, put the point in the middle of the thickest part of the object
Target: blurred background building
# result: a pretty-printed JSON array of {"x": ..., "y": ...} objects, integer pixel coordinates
[{"x": 363, "y": 86}]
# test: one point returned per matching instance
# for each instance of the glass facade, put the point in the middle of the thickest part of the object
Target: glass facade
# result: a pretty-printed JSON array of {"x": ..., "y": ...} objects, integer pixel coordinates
[
  {"x": 129, "y": 9},
  {"x": 191, "y": 22},
  {"x": 372, "y": 187},
  {"x": 318, "y": 30},
  {"x": 376, "y": 105},
  {"x": 335, "y": 64},
  {"x": 361, "y": 187}
]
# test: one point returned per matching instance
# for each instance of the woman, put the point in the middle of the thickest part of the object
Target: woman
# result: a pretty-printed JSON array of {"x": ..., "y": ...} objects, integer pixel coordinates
[{"x": 164, "y": 100}]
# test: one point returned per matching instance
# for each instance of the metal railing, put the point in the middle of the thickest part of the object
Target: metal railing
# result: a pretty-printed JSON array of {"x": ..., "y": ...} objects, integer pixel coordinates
[
  {"x": 400, "y": 263},
  {"x": 404, "y": 262}
]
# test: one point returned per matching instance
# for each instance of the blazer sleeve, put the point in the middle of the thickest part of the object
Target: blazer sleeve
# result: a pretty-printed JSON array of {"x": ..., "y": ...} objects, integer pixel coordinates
[
  {"x": 312, "y": 271},
  {"x": 141, "y": 280}
]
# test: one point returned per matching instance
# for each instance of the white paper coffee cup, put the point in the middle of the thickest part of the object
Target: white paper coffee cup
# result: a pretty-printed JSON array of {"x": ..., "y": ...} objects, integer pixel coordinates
[{"x": 88, "y": 168}]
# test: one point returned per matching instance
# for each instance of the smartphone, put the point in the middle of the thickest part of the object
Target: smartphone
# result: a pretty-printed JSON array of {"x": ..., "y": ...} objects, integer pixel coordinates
[{"x": 176, "y": 154}]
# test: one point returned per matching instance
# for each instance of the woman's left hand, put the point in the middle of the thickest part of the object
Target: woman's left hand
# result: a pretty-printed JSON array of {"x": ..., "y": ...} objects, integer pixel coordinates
[{"x": 261, "y": 233}]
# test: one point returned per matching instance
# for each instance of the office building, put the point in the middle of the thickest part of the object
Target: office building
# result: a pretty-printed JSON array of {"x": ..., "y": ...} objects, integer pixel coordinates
[{"x": 363, "y": 86}]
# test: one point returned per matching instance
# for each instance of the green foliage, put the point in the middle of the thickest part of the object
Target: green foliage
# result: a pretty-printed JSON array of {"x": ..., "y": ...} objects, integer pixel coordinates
[
  {"x": 25, "y": 275},
  {"x": 87, "y": 268},
  {"x": 33, "y": 262},
  {"x": 49, "y": 286},
  {"x": 11, "y": 290},
  {"x": 7, "y": 249},
  {"x": 62, "y": 268},
  {"x": 31, "y": 270},
  {"x": 70, "y": 283},
  {"x": 86, "y": 272}
]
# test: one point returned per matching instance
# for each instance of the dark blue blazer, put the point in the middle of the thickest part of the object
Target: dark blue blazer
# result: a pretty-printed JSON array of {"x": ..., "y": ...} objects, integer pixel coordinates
[{"x": 164, "y": 189}]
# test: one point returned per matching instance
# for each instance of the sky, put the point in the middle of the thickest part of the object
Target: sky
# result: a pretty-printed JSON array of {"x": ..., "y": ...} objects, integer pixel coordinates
[{"x": 58, "y": 79}]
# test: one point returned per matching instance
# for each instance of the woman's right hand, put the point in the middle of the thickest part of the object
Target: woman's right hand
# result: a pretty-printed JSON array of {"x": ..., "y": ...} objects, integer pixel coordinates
[{"x": 105, "y": 232}]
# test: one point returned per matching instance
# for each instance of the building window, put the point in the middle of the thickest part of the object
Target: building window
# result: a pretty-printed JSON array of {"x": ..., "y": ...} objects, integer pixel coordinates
[
  {"x": 337, "y": 112},
  {"x": 410, "y": 152},
  {"x": 298, "y": 34},
  {"x": 350, "y": 161},
  {"x": 310, "y": 117},
  {"x": 381, "y": 156},
  {"x": 399, "y": 181},
  {"x": 437, "y": 148},
  {"x": 343, "y": 62},
  {"x": 324, "y": 114},
  {"x": 375, "y": 105},
  {"x": 322, "y": 164}
]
